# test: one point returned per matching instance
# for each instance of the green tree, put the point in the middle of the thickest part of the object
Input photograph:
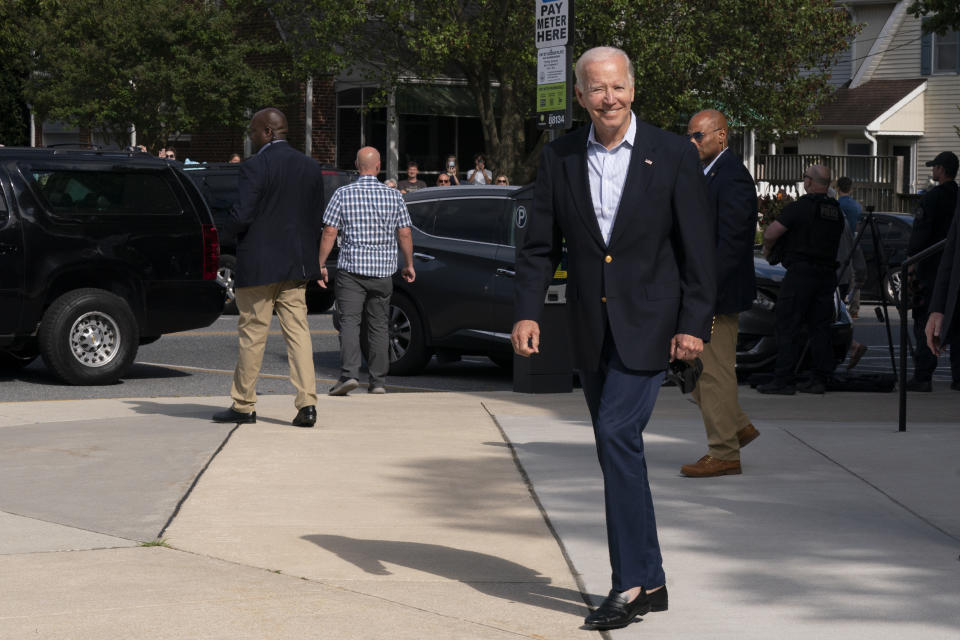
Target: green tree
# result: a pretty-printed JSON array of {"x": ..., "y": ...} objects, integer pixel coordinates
[
  {"x": 764, "y": 62},
  {"x": 14, "y": 70},
  {"x": 163, "y": 66},
  {"x": 946, "y": 14}
]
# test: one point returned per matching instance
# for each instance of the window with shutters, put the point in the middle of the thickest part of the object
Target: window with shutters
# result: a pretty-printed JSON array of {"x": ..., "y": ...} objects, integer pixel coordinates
[
  {"x": 940, "y": 54},
  {"x": 946, "y": 49}
]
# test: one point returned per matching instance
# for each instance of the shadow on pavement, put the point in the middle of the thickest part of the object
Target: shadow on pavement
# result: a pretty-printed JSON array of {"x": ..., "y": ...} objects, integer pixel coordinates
[{"x": 488, "y": 574}]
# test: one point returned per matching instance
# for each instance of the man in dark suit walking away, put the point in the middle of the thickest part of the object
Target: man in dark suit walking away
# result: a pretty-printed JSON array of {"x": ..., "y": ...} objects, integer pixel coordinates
[
  {"x": 733, "y": 202},
  {"x": 630, "y": 201},
  {"x": 281, "y": 195}
]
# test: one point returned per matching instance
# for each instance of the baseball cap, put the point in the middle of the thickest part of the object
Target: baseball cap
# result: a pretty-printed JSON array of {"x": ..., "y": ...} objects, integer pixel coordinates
[{"x": 946, "y": 159}]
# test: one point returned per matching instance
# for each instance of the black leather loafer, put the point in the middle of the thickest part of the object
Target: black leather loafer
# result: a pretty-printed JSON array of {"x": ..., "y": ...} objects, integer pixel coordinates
[
  {"x": 615, "y": 612},
  {"x": 235, "y": 416},
  {"x": 306, "y": 417}
]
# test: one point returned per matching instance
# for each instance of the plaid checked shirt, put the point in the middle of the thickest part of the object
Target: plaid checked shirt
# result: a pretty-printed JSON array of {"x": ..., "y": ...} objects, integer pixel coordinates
[{"x": 368, "y": 214}]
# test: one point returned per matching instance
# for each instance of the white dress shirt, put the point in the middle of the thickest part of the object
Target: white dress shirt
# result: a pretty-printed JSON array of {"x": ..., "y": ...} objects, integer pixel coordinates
[{"x": 607, "y": 169}]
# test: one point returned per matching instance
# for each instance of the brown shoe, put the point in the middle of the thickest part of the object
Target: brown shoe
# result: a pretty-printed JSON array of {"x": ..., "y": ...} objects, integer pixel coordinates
[
  {"x": 747, "y": 435},
  {"x": 708, "y": 466},
  {"x": 856, "y": 352}
]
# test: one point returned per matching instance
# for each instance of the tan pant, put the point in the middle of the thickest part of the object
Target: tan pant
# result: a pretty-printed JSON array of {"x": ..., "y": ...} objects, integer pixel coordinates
[
  {"x": 256, "y": 306},
  {"x": 716, "y": 391}
]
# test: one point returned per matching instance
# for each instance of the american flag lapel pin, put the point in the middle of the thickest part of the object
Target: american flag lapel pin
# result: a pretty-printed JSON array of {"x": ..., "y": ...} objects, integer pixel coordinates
[{"x": 649, "y": 161}]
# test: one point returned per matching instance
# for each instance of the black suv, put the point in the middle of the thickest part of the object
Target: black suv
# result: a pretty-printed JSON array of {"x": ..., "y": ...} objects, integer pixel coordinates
[
  {"x": 100, "y": 252},
  {"x": 219, "y": 184}
]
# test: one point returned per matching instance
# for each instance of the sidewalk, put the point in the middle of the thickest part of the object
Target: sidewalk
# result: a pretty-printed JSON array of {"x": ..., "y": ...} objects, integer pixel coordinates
[{"x": 405, "y": 516}]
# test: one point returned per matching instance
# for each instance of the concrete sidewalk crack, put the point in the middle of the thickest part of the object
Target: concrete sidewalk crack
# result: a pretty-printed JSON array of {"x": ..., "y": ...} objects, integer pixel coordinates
[
  {"x": 196, "y": 479},
  {"x": 886, "y": 495},
  {"x": 69, "y": 526},
  {"x": 543, "y": 512}
]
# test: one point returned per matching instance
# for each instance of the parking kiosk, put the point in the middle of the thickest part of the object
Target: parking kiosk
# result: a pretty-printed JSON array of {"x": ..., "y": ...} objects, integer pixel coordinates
[{"x": 551, "y": 370}]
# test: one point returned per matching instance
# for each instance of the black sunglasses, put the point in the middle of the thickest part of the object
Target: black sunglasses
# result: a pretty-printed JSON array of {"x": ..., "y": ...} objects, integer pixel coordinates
[{"x": 698, "y": 135}]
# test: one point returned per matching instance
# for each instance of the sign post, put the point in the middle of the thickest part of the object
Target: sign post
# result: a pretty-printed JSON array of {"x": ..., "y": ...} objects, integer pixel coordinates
[{"x": 554, "y": 41}]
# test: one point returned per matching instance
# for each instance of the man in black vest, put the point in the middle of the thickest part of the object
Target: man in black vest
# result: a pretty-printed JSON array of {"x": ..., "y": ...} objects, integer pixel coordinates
[{"x": 811, "y": 229}]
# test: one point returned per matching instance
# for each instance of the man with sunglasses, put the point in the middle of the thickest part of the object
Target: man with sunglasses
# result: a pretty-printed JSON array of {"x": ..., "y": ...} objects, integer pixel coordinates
[
  {"x": 810, "y": 228},
  {"x": 733, "y": 201}
]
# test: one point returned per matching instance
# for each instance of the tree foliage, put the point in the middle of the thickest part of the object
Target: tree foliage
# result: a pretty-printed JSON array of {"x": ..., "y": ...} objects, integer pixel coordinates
[
  {"x": 14, "y": 70},
  {"x": 163, "y": 66},
  {"x": 946, "y": 14},
  {"x": 763, "y": 62}
]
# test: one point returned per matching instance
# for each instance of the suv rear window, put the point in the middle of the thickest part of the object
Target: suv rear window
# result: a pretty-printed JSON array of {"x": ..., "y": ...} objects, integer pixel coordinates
[{"x": 80, "y": 192}]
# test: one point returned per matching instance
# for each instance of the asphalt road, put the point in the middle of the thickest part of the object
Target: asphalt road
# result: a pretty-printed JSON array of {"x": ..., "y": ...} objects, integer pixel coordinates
[{"x": 200, "y": 363}]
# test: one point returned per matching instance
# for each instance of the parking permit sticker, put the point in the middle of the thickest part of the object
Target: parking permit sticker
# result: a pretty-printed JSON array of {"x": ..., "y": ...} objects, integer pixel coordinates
[{"x": 521, "y": 217}]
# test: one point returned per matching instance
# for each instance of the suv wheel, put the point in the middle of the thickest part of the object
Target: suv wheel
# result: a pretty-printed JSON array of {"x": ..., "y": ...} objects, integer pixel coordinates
[
  {"x": 226, "y": 272},
  {"x": 89, "y": 336},
  {"x": 407, "y": 338}
]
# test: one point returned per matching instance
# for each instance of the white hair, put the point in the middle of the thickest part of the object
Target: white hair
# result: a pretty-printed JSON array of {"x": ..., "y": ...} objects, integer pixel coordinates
[{"x": 600, "y": 53}]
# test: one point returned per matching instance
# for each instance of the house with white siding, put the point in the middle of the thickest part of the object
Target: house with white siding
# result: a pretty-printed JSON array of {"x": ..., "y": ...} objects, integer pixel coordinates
[{"x": 898, "y": 92}]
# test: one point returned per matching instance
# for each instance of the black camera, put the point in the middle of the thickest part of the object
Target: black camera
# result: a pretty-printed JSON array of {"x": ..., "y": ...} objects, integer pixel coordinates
[{"x": 685, "y": 374}]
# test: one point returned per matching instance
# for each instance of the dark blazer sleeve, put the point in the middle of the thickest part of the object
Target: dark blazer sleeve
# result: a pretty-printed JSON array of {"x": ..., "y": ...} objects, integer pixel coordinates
[
  {"x": 694, "y": 232},
  {"x": 252, "y": 177},
  {"x": 735, "y": 198},
  {"x": 947, "y": 278},
  {"x": 542, "y": 244}
]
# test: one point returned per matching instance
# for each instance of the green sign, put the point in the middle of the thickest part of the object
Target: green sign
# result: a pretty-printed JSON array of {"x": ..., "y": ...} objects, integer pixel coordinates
[{"x": 552, "y": 97}]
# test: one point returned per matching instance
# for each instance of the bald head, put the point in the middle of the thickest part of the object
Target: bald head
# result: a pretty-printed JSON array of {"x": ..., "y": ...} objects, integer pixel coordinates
[
  {"x": 819, "y": 178},
  {"x": 266, "y": 126},
  {"x": 709, "y": 132},
  {"x": 368, "y": 161}
]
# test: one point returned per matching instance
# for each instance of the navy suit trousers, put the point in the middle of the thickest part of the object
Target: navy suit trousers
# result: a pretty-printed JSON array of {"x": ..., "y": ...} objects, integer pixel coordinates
[{"x": 621, "y": 401}]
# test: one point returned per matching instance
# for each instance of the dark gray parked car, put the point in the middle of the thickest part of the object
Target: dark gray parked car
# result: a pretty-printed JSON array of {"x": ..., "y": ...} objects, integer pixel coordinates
[{"x": 462, "y": 300}]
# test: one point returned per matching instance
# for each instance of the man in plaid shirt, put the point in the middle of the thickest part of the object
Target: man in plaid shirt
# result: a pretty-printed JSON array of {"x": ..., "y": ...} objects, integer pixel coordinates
[{"x": 372, "y": 220}]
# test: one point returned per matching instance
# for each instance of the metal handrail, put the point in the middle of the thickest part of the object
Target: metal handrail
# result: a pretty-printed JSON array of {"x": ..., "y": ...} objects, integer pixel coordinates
[{"x": 902, "y": 306}]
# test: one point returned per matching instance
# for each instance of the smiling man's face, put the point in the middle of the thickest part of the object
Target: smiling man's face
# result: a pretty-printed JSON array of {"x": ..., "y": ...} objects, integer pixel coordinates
[{"x": 607, "y": 96}]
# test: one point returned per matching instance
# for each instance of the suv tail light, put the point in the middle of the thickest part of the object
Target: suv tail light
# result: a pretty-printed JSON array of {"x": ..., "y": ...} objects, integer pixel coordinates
[{"x": 211, "y": 252}]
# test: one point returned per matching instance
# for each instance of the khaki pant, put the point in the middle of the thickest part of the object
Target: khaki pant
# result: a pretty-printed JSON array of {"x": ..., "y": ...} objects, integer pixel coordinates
[
  {"x": 716, "y": 391},
  {"x": 256, "y": 306}
]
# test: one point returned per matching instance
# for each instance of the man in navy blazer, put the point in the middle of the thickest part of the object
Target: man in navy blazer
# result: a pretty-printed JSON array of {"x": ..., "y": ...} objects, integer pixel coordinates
[
  {"x": 630, "y": 201},
  {"x": 278, "y": 217},
  {"x": 733, "y": 202}
]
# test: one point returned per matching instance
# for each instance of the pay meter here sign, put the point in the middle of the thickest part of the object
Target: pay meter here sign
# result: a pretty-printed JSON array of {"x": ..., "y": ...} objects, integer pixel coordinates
[{"x": 554, "y": 78}]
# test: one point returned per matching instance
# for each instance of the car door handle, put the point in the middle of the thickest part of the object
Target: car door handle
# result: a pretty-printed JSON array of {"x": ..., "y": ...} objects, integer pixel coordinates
[
  {"x": 424, "y": 256},
  {"x": 507, "y": 273}
]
